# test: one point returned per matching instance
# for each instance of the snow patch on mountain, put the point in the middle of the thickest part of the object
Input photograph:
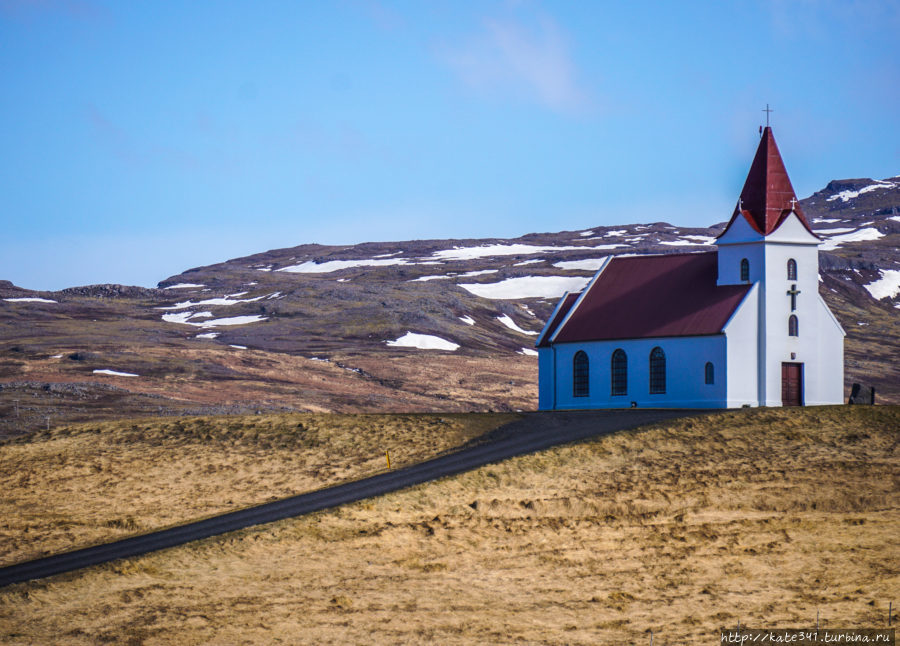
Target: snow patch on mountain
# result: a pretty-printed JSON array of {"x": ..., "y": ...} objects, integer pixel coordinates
[
  {"x": 478, "y": 272},
  {"x": 590, "y": 264},
  {"x": 888, "y": 286},
  {"x": 184, "y": 318},
  {"x": 227, "y": 300},
  {"x": 29, "y": 300},
  {"x": 846, "y": 196},
  {"x": 181, "y": 317},
  {"x": 313, "y": 267},
  {"x": 508, "y": 322},
  {"x": 486, "y": 251},
  {"x": 233, "y": 320},
  {"x": 527, "y": 287},
  {"x": 835, "y": 231},
  {"x": 467, "y": 274},
  {"x": 860, "y": 235},
  {"x": 423, "y": 342},
  {"x": 114, "y": 373}
]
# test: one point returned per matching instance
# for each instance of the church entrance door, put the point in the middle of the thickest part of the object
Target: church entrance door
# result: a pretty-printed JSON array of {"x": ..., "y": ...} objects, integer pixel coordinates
[{"x": 792, "y": 384}]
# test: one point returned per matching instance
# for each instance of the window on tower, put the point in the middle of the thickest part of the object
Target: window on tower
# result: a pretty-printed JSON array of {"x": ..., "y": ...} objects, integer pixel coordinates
[
  {"x": 745, "y": 270},
  {"x": 793, "y": 326},
  {"x": 710, "y": 373},
  {"x": 792, "y": 269}
]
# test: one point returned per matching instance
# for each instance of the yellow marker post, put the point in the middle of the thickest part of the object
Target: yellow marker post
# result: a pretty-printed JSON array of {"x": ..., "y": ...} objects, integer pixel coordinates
[{"x": 388, "y": 457}]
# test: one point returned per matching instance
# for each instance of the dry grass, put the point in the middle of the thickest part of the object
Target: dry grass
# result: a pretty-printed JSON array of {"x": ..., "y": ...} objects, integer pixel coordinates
[
  {"x": 212, "y": 380},
  {"x": 763, "y": 515},
  {"x": 88, "y": 483}
]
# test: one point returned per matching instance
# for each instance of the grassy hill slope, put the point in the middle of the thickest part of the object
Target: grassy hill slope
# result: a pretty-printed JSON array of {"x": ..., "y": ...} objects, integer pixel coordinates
[
  {"x": 763, "y": 516},
  {"x": 92, "y": 483}
]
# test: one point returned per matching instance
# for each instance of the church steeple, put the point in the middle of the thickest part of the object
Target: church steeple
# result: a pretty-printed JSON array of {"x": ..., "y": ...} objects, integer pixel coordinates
[{"x": 767, "y": 197}]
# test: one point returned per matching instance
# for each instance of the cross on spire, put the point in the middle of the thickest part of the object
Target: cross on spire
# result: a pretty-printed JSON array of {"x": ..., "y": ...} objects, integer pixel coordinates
[
  {"x": 767, "y": 111},
  {"x": 793, "y": 203}
]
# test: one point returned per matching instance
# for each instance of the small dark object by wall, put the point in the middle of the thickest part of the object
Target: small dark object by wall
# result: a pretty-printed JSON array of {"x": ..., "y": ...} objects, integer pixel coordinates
[{"x": 861, "y": 394}]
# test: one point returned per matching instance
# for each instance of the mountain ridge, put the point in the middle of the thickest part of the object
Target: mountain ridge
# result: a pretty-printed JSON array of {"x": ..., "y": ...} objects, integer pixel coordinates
[{"x": 342, "y": 327}]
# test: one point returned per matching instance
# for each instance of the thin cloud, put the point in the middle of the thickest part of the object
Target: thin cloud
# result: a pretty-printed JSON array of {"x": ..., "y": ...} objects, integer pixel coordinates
[{"x": 508, "y": 57}]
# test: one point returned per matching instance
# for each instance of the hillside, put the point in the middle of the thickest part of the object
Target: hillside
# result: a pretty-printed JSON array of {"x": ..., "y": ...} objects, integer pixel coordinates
[
  {"x": 414, "y": 326},
  {"x": 92, "y": 483},
  {"x": 764, "y": 516}
]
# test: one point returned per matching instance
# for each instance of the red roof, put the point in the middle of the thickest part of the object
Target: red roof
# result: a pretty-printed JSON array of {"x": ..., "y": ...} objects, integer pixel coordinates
[
  {"x": 558, "y": 315},
  {"x": 653, "y": 296},
  {"x": 767, "y": 193}
]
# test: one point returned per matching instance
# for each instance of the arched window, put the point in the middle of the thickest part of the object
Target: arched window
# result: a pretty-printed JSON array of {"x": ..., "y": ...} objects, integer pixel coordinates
[
  {"x": 745, "y": 270},
  {"x": 657, "y": 371},
  {"x": 710, "y": 373},
  {"x": 580, "y": 379},
  {"x": 793, "y": 326},
  {"x": 792, "y": 269},
  {"x": 619, "y": 372}
]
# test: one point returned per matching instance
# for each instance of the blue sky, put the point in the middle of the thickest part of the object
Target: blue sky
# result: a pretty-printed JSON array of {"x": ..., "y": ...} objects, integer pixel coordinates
[{"x": 141, "y": 139}]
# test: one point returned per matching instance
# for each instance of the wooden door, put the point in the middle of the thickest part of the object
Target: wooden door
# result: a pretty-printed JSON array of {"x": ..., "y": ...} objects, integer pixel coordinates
[{"x": 792, "y": 384}]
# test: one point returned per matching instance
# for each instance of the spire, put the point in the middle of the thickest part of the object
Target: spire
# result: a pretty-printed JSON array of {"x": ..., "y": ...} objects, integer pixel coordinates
[{"x": 768, "y": 197}]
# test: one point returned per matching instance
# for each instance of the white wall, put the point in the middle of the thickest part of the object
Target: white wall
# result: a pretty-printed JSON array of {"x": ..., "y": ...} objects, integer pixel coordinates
[
  {"x": 742, "y": 334},
  {"x": 686, "y": 359},
  {"x": 826, "y": 378},
  {"x": 778, "y": 345},
  {"x": 740, "y": 241}
]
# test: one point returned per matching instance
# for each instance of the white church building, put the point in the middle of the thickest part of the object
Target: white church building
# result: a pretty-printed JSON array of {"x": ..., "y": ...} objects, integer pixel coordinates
[{"x": 743, "y": 325}]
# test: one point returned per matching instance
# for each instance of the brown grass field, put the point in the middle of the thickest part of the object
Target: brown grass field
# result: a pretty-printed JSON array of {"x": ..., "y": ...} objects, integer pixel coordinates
[
  {"x": 91, "y": 483},
  {"x": 764, "y": 516}
]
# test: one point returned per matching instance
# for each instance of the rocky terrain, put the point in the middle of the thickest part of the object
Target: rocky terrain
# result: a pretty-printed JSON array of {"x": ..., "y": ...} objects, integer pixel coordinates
[{"x": 425, "y": 325}]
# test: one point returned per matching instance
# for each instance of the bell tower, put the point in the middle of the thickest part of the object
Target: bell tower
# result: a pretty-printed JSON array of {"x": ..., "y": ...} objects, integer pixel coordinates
[{"x": 769, "y": 242}]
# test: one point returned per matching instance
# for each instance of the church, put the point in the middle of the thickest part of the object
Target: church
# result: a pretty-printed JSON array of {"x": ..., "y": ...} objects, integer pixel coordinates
[{"x": 743, "y": 325}]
